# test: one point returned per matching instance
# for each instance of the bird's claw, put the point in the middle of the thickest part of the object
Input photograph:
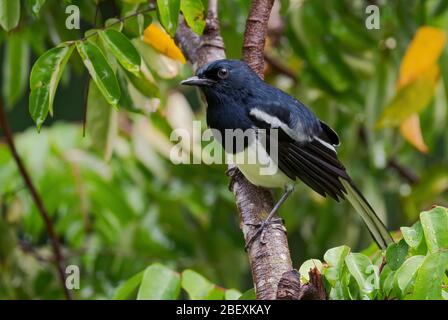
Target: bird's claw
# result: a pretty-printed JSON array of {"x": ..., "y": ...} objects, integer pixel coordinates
[{"x": 262, "y": 227}]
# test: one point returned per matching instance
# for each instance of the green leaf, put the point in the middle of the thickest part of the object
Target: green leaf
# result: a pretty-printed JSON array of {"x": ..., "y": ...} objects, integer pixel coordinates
[
  {"x": 415, "y": 238},
  {"x": 396, "y": 254},
  {"x": 128, "y": 288},
  {"x": 193, "y": 11},
  {"x": 196, "y": 285},
  {"x": 428, "y": 283},
  {"x": 9, "y": 14},
  {"x": 387, "y": 280},
  {"x": 143, "y": 84},
  {"x": 100, "y": 71},
  {"x": 15, "y": 68},
  {"x": 307, "y": 266},
  {"x": 44, "y": 80},
  {"x": 114, "y": 23},
  {"x": 335, "y": 259},
  {"x": 101, "y": 122},
  {"x": 232, "y": 294},
  {"x": 123, "y": 50},
  {"x": 435, "y": 228},
  {"x": 126, "y": 101},
  {"x": 364, "y": 273},
  {"x": 168, "y": 12},
  {"x": 405, "y": 275},
  {"x": 249, "y": 295},
  {"x": 215, "y": 294},
  {"x": 134, "y": 1},
  {"x": 134, "y": 27},
  {"x": 159, "y": 283},
  {"x": 413, "y": 235}
]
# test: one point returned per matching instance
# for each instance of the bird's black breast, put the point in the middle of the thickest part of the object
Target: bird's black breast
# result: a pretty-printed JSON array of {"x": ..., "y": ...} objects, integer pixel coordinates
[{"x": 229, "y": 119}]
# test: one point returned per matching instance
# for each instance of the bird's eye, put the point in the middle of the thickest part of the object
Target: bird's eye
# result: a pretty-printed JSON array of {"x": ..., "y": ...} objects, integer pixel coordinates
[{"x": 223, "y": 73}]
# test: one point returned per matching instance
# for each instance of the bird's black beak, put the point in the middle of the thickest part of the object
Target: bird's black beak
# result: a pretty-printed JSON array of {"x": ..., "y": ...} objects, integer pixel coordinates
[{"x": 196, "y": 81}]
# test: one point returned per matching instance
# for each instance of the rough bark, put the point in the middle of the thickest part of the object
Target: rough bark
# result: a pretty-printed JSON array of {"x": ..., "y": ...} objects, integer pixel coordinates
[
  {"x": 255, "y": 34},
  {"x": 268, "y": 261}
]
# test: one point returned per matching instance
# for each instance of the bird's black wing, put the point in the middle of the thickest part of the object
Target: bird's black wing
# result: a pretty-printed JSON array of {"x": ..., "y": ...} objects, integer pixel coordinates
[
  {"x": 306, "y": 147},
  {"x": 315, "y": 164}
]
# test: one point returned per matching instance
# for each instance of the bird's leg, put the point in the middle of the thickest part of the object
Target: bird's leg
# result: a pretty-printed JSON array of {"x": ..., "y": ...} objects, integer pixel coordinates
[{"x": 276, "y": 223}]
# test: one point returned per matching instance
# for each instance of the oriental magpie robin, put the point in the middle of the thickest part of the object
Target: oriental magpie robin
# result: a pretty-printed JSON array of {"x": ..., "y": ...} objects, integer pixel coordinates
[{"x": 238, "y": 99}]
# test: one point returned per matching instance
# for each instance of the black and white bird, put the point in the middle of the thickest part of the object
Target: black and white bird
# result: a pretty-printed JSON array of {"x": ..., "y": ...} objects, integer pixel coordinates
[{"x": 306, "y": 147}]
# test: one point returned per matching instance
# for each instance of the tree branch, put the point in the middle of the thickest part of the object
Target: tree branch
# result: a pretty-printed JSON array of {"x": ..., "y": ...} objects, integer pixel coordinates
[
  {"x": 187, "y": 40},
  {"x": 270, "y": 261},
  {"x": 58, "y": 257},
  {"x": 255, "y": 34}
]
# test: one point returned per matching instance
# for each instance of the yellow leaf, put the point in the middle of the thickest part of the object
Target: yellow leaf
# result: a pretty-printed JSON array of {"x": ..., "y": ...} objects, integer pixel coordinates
[
  {"x": 162, "y": 42},
  {"x": 410, "y": 129},
  {"x": 411, "y": 99},
  {"x": 423, "y": 52}
]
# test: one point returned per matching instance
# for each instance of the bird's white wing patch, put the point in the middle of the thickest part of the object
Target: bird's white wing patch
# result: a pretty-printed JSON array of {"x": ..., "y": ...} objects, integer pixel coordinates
[
  {"x": 275, "y": 122},
  {"x": 326, "y": 144}
]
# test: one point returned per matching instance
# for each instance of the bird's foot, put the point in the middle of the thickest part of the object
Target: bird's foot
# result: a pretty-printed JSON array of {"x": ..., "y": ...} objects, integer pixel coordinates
[{"x": 262, "y": 227}]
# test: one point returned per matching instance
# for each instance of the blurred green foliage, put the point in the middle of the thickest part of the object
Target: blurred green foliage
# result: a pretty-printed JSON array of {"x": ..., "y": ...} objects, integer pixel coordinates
[{"x": 117, "y": 216}]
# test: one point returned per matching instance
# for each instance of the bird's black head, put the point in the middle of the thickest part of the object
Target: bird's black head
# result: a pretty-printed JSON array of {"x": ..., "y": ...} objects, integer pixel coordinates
[{"x": 222, "y": 76}]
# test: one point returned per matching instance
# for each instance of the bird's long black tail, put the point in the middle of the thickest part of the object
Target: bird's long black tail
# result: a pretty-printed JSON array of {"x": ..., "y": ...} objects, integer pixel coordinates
[
  {"x": 318, "y": 166},
  {"x": 374, "y": 224}
]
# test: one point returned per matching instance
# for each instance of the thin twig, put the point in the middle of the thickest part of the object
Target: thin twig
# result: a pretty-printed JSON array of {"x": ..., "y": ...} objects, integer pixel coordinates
[
  {"x": 119, "y": 20},
  {"x": 406, "y": 173},
  {"x": 59, "y": 259},
  {"x": 86, "y": 100},
  {"x": 27, "y": 248}
]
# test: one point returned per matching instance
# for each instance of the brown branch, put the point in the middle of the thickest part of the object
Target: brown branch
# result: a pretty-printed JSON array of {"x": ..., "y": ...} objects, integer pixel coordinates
[
  {"x": 290, "y": 288},
  {"x": 187, "y": 40},
  {"x": 59, "y": 260},
  {"x": 255, "y": 34},
  {"x": 270, "y": 261},
  {"x": 212, "y": 45}
]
